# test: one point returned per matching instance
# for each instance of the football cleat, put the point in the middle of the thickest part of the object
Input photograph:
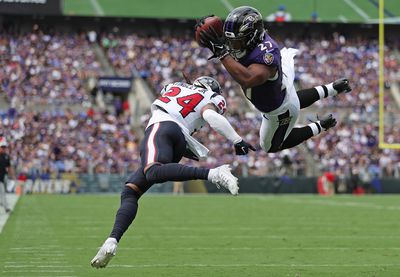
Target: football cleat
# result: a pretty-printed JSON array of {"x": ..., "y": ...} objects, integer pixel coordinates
[
  {"x": 327, "y": 122},
  {"x": 222, "y": 176},
  {"x": 105, "y": 254},
  {"x": 342, "y": 85}
]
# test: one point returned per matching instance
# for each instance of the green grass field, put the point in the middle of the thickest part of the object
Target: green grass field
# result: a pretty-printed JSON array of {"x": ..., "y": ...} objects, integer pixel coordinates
[
  {"x": 249, "y": 235},
  {"x": 330, "y": 11}
]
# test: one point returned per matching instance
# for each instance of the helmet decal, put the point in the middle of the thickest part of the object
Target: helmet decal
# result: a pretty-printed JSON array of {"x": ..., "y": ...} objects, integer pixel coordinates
[
  {"x": 229, "y": 34},
  {"x": 208, "y": 83},
  {"x": 248, "y": 23},
  {"x": 243, "y": 29}
]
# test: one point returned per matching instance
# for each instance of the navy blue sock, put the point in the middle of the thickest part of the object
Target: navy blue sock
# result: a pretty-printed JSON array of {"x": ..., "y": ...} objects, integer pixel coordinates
[
  {"x": 308, "y": 97},
  {"x": 160, "y": 173},
  {"x": 126, "y": 213},
  {"x": 297, "y": 136}
]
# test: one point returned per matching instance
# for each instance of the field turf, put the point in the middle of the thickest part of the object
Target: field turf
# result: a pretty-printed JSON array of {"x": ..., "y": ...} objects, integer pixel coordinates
[
  {"x": 249, "y": 235},
  {"x": 301, "y": 10}
]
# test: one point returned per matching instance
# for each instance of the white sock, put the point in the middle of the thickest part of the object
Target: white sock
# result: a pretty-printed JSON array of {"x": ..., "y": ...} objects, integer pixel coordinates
[
  {"x": 326, "y": 90},
  {"x": 212, "y": 173},
  {"x": 315, "y": 128}
]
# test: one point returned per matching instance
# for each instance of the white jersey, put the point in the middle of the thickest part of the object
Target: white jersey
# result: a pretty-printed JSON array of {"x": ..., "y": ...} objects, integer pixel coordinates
[{"x": 183, "y": 103}]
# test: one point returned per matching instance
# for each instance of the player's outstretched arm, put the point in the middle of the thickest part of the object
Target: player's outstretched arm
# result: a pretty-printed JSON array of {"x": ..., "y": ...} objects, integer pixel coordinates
[
  {"x": 220, "y": 124},
  {"x": 248, "y": 77}
]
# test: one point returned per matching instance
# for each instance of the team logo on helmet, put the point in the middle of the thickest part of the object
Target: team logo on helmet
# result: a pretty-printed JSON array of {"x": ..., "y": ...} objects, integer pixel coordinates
[
  {"x": 268, "y": 58},
  {"x": 208, "y": 83},
  {"x": 248, "y": 23}
]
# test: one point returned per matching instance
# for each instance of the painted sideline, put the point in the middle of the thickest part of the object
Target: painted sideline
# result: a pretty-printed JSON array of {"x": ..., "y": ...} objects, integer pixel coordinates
[{"x": 12, "y": 200}]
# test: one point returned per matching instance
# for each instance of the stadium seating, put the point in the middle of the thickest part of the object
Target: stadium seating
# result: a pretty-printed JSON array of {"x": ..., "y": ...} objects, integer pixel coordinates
[{"x": 51, "y": 69}]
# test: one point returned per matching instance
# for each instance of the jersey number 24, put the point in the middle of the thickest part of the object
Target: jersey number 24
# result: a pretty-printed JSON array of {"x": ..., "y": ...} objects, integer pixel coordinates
[{"x": 188, "y": 102}]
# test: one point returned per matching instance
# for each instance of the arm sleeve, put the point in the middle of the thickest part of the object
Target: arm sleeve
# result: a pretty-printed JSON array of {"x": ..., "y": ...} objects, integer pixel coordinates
[
  {"x": 219, "y": 102},
  {"x": 221, "y": 125}
]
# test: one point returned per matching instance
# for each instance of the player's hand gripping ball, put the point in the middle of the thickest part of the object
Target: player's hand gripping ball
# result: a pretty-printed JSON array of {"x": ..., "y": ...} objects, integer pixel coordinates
[
  {"x": 209, "y": 33},
  {"x": 204, "y": 24}
]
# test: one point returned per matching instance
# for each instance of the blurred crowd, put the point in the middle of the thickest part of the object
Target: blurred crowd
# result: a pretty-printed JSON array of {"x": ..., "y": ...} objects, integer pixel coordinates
[
  {"x": 320, "y": 61},
  {"x": 64, "y": 141},
  {"x": 48, "y": 69}
]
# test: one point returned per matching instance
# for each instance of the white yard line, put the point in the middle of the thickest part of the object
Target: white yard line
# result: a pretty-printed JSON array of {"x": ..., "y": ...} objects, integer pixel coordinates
[
  {"x": 45, "y": 259},
  {"x": 219, "y": 248},
  {"x": 227, "y": 5},
  {"x": 211, "y": 265},
  {"x": 35, "y": 262},
  {"x": 357, "y": 9},
  {"x": 328, "y": 202},
  {"x": 36, "y": 271},
  {"x": 41, "y": 266},
  {"x": 12, "y": 200},
  {"x": 38, "y": 255},
  {"x": 31, "y": 275},
  {"x": 47, "y": 247},
  {"x": 250, "y": 265},
  {"x": 258, "y": 248},
  {"x": 391, "y": 20},
  {"x": 258, "y": 237},
  {"x": 343, "y": 18},
  {"x": 97, "y": 8}
]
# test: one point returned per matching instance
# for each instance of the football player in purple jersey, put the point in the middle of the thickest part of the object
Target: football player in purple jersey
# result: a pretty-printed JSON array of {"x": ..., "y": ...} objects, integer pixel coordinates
[{"x": 266, "y": 75}]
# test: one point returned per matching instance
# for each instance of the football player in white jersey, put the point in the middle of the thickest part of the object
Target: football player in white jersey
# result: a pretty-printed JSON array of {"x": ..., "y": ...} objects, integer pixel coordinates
[{"x": 180, "y": 110}]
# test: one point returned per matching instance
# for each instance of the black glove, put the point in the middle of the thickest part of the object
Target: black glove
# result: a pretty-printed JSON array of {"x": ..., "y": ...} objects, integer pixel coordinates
[
  {"x": 190, "y": 155},
  {"x": 342, "y": 85},
  {"x": 200, "y": 22},
  {"x": 242, "y": 148},
  {"x": 214, "y": 42},
  {"x": 327, "y": 122}
]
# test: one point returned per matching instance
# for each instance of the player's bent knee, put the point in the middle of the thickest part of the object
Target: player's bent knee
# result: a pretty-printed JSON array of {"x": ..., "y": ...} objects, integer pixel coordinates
[
  {"x": 137, "y": 181},
  {"x": 265, "y": 147},
  {"x": 273, "y": 150},
  {"x": 150, "y": 173},
  {"x": 147, "y": 167},
  {"x": 129, "y": 192}
]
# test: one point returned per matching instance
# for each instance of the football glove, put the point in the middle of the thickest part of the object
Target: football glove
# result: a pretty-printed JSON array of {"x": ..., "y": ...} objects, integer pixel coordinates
[
  {"x": 342, "y": 85},
  {"x": 242, "y": 148},
  {"x": 327, "y": 122},
  {"x": 214, "y": 42},
  {"x": 190, "y": 155},
  {"x": 200, "y": 22}
]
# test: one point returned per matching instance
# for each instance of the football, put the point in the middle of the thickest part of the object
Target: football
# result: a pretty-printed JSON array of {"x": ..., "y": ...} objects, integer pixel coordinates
[{"x": 212, "y": 21}]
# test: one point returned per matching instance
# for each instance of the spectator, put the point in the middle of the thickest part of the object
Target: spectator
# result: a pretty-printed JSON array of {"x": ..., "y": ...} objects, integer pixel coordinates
[
  {"x": 281, "y": 15},
  {"x": 314, "y": 17},
  {"x": 42, "y": 69}
]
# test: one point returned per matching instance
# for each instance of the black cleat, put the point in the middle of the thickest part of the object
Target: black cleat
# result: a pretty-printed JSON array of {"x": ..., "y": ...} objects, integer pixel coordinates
[
  {"x": 327, "y": 122},
  {"x": 342, "y": 85}
]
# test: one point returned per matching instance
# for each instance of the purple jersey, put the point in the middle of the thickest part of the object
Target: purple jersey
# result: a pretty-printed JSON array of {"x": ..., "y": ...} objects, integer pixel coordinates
[{"x": 269, "y": 95}]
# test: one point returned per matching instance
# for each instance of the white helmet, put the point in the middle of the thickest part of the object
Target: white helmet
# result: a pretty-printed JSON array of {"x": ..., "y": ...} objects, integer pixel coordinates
[{"x": 208, "y": 83}]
